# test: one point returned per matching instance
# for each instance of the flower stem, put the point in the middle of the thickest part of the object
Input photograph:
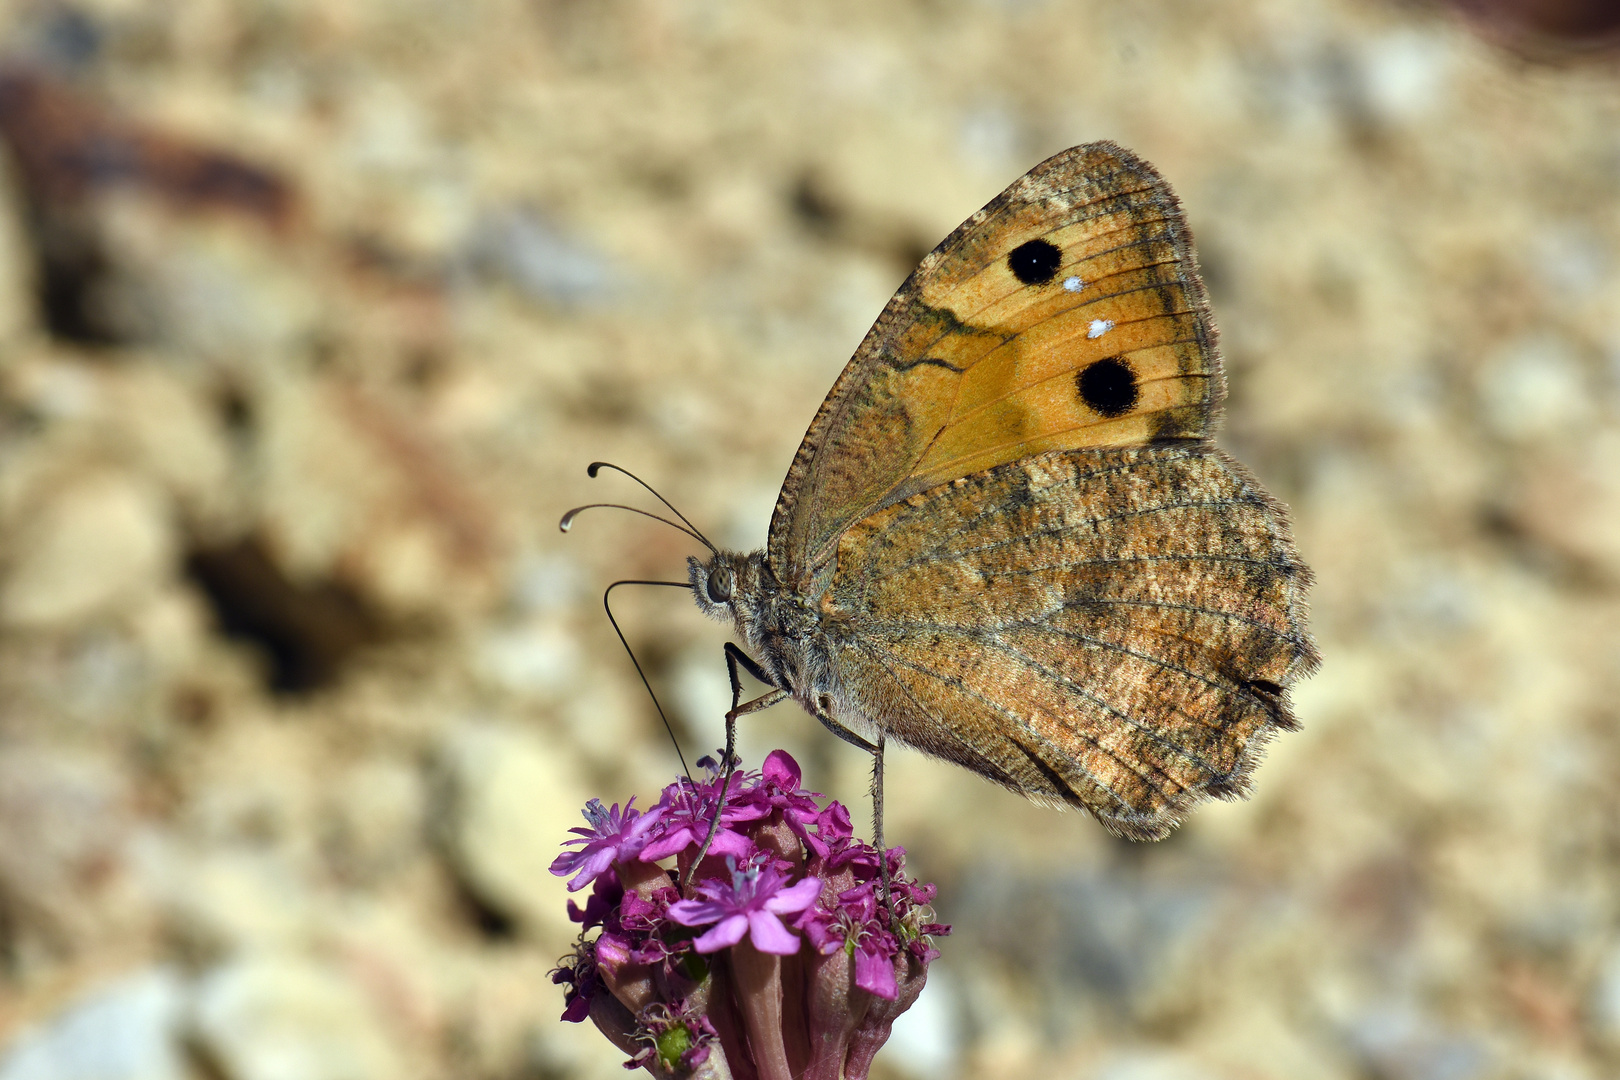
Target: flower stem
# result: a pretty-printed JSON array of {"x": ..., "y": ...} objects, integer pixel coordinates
[{"x": 759, "y": 989}]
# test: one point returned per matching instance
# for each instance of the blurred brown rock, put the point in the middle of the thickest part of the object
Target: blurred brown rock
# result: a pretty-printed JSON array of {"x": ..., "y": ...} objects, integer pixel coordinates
[{"x": 1548, "y": 27}]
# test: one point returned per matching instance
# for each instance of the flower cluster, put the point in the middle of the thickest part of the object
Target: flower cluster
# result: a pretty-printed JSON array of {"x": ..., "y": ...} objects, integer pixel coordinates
[{"x": 780, "y": 959}]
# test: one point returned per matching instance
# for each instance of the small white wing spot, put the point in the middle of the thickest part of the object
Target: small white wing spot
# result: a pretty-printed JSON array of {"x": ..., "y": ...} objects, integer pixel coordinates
[
  {"x": 1073, "y": 284},
  {"x": 1099, "y": 327}
]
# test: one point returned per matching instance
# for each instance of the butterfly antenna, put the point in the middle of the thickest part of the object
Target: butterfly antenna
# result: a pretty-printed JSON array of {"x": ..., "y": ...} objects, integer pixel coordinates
[
  {"x": 608, "y": 607},
  {"x": 598, "y": 466},
  {"x": 567, "y": 521}
]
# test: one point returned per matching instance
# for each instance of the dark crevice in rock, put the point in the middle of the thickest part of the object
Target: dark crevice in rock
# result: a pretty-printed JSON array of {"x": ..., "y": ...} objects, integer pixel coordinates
[{"x": 307, "y": 631}]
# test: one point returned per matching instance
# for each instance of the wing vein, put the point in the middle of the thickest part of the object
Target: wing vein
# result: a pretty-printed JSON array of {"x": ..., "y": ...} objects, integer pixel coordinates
[
  {"x": 1023, "y": 725},
  {"x": 979, "y": 451},
  {"x": 992, "y": 510},
  {"x": 1092, "y": 257},
  {"x": 943, "y": 725},
  {"x": 940, "y": 553},
  {"x": 1208, "y": 504},
  {"x": 1104, "y": 643},
  {"x": 966, "y": 417},
  {"x": 1070, "y": 604},
  {"x": 1109, "y": 707}
]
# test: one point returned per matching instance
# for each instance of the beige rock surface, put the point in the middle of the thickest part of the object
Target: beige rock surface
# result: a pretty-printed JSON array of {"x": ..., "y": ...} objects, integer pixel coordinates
[{"x": 300, "y": 686}]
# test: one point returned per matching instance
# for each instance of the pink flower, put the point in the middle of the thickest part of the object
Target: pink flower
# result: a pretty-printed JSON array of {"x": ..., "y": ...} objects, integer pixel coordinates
[
  {"x": 749, "y": 905},
  {"x": 744, "y": 997},
  {"x": 612, "y": 837},
  {"x": 779, "y": 791},
  {"x": 688, "y": 808}
]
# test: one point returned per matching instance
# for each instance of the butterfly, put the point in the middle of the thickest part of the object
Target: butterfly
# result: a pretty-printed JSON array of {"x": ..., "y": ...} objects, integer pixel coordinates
[{"x": 1007, "y": 540}]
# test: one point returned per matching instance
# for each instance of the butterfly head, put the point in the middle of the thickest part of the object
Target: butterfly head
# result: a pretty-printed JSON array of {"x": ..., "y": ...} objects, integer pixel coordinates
[{"x": 728, "y": 585}]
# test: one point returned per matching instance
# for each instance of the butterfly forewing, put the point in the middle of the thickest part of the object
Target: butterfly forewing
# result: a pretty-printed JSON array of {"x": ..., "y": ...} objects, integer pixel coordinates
[
  {"x": 1108, "y": 629},
  {"x": 1067, "y": 313}
]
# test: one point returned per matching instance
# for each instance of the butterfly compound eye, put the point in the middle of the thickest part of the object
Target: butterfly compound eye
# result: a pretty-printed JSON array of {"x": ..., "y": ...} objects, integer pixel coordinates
[{"x": 720, "y": 585}]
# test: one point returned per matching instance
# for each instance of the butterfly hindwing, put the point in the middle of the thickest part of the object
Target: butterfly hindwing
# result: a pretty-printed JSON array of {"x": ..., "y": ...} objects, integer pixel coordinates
[
  {"x": 1067, "y": 313},
  {"x": 1112, "y": 629}
]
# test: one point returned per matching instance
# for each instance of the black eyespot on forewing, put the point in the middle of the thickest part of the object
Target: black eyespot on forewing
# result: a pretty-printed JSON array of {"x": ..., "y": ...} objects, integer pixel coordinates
[
  {"x": 1035, "y": 262},
  {"x": 1108, "y": 386}
]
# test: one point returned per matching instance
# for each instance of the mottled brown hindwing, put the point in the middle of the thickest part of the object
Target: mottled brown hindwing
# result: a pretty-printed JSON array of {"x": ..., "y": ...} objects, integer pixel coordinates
[
  {"x": 1067, "y": 313},
  {"x": 1112, "y": 629}
]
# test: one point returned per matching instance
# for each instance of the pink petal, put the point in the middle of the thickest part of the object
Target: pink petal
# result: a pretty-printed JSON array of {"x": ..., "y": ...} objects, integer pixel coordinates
[
  {"x": 643, "y": 822},
  {"x": 611, "y": 953},
  {"x": 769, "y": 935},
  {"x": 696, "y": 912},
  {"x": 675, "y": 840},
  {"x": 795, "y": 897},
  {"x": 781, "y": 768},
  {"x": 590, "y": 864},
  {"x": 726, "y": 933},
  {"x": 875, "y": 973},
  {"x": 727, "y": 842}
]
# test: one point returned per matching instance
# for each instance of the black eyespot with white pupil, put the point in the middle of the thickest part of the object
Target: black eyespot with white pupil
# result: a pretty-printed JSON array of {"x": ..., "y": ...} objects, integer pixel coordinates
[
  {"x": 1108, "y": 387},
  {"x": 720, "y": 585},
  {"x": 1035, "y": 262}
]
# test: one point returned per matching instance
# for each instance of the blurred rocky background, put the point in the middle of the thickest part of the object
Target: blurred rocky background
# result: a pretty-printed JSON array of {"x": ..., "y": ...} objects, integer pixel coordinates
[{"x": 313, "y": 313}]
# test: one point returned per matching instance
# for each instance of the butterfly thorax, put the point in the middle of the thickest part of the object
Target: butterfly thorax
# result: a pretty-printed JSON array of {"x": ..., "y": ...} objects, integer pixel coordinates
[{"x": 778, "y": 628}]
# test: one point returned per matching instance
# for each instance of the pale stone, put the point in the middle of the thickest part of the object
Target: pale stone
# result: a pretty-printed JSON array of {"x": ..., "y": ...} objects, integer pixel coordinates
[
  {"x": 1150, "y": 1065},
  {"x": 513, "y": 799},
  {"x": 700, "y": 690},
  {"x": 207, "y": 287},
  {"x": 540, "y": 260},
  {"x": 404, "y": 566},
  {"x": 1571, "y": 501},
  {"x": 219, "y": 901},
  {"x": 351, "y": 490},
  {"x": 1535, "y": 388},
  {"x": 319, "y": 479},
  {"x": 542, "y": 584},
  {"x": 374, "y": 818},
  {"x": 99, "y": 542},
  {"x": 173, "y": 627},
  {"x": 538, "y": 658},
  {"x": 1603, "y": 1004},
  {"x": 278, "y": 1017},
  {"x": 1407, "y": 74},
  {"x": 125, "y": 1030},
  {"x": 175, "y": 438}
]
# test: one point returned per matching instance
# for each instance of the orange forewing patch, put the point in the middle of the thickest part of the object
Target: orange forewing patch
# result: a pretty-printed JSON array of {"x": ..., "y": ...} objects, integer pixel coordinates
[{"x": 975, "y": 362}]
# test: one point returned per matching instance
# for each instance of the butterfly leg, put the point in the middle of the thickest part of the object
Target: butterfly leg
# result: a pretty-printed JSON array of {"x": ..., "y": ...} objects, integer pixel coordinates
[
  {"x": 877, "y": 822},
  {"x": 876, "y": 750},
  {"x": 735, "y": 658}
]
